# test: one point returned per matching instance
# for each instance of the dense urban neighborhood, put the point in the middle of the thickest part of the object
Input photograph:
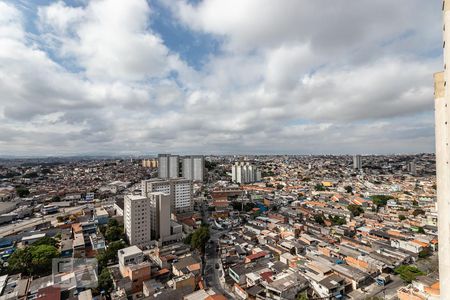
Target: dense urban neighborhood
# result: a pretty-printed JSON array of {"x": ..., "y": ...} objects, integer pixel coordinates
[{"x": 219, "y": 227}]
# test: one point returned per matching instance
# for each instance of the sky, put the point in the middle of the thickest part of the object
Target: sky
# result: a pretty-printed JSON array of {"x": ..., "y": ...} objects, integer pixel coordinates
[{"x": 140, "y": 77}]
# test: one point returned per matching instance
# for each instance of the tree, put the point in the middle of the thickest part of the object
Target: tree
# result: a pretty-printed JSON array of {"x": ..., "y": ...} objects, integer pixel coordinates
[
  {"x": 356, "y": 210},
  {"x": 113, "y": 223},
  {"x": 199, "y": 238},
  {"x": 187, "y": 240},
  {"x": 20, "y": 261},
  {"x": 114, "y": 233},
  {"x": 105, "y": 282},
  {"x": 319, "y": 219},
  {"x": 420, "y": 230},
  {"x": 56, "y": 198},
  {"x": 42, "y": 256},
  {"x": 380, "y": 200},
  {"x": 22, "y": 191},
  {"x": 319, "y": 187},
  {"x": 46, "y": 240},
  {"x": 408, "y": 273},
  {"x": 401, "y": 217},
  {"x": 348, "y": 189},
  {"x": 112, "y": 249},
  {"x": 418, "y": 211},
  {"x": 336, "y": 220}
]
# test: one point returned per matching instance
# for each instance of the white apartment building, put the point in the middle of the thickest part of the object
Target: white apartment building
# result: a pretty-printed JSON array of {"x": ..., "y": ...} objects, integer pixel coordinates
[
  {"x": 174, "y": 166},
  {"x": 168, "y": 166},
  {"x": 163, "y": 165},
  {"x": 193, "y": 168},
  {"x": 357, "y": 162},
  {"x": 179, "y": 191},
  {"x": 146, "y": 218},
  {"x": 245, "y": 173}
]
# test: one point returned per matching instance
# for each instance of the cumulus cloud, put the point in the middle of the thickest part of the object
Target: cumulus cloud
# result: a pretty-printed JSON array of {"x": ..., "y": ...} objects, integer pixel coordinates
[{"x": 289, "y": 77}]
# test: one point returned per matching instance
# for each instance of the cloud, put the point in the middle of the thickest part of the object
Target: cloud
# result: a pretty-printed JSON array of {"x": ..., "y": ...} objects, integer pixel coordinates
[{"x": 289, "y": 77}]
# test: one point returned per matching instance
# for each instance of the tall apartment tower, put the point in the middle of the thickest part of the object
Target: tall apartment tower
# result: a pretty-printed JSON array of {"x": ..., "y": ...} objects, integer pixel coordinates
[
  {"x": 245, "y": 173},
  {"x": 174, "y": 166},
  {"x": 146, "y": 218},
  {"x": 179, "y": 191},
  {"x": 163, "y": 165},
  {"x": 442, "y": 117},
  {"x": 193, "y": 168},
  {"x": 168, "y": 166},
  {"x": 357, "y": 162}
]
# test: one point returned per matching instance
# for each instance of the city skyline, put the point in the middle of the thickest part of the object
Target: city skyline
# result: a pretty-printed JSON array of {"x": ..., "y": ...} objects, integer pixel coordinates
[{"x": 359, "y": 83}]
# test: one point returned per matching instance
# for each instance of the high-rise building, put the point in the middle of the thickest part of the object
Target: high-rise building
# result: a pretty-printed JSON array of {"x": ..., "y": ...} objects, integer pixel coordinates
[
  {"x": 357, "y": 162},
  {"x": 146, "y": 218},
  {"x": 412, "y": 168},
  {"x": 179, "y": 191},
  {"x": 168, "y": 166},
  {"x": 150, "y": 163},
  {"x": 163, "y": 165},
  {"x": 174, "y": 166},
  {"x": 245, "y": 173},
  {"x": 193, "y": 168},
  {"x": 442, "y": 117}
]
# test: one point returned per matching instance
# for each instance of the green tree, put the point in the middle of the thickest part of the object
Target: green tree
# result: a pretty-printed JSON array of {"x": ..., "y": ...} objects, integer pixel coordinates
[
  {"x": 46, "y": 240},
  {"x": 22, "y": 191},
  {"x": 319, "y": 187},
  {"x": 42, "y": 256},
  {"x": 401, "y": 217},
  {"x": 380, "y": 200},
  {"x": 319, "y": 219},
  {"x": 20, "y": 261},
  {"x": 187, "y": 240},
  {"x": 114, "y": 233},
  {"x": 408, "y": 273},
  {"x": 420, "y": 230},
  {"x": 105, "y": 282},
  {"x": 348, "y": 189},
  {"x": 199, "y": 238},
  {"x": 112, "y": 249},
  {"x": 336, "y": 220},
  {"x": 113, "y": 223},
  {"x": 415, "y": 203},
  {"x": 356, "y": 210}
]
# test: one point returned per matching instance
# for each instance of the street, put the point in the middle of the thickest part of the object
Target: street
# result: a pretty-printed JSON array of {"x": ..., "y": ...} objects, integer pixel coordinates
[{"x": 18, "y": 227}]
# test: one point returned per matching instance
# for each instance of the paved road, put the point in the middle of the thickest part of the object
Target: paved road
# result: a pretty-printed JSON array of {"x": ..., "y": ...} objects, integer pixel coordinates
[
  {"x": 215, "y": 276},
  {"x": 387, "y": 292},
  {"x": 18, "y": 227}
]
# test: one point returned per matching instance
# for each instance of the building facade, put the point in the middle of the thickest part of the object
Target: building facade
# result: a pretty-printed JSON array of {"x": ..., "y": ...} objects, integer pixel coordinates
[
  {"x": 179, "y": 191},
  {"x": 357, "y": 162},
  {"x": 193, "y": 168},
  {"x": 442, "y": 99},
  {"x": 146, "y": 218},
  {"x": 163, "y": 165},
  {"x": 245, "y": 173}
]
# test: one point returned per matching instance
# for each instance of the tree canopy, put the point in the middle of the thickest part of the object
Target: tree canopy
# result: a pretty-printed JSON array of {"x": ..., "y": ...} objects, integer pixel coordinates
[
  {"x": 356, "y": 210},
  {"x": 408, "y": 273}
]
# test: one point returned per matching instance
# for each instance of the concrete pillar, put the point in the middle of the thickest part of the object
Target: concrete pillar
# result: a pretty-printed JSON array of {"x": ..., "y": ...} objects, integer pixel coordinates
[{"x": 442, "y": 117}]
